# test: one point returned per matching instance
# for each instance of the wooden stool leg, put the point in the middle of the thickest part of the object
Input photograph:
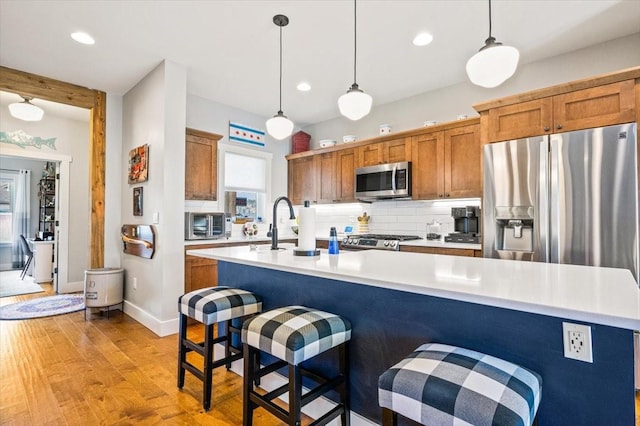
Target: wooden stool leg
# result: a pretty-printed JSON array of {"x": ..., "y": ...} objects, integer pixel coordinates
[
  {"x": 247, "y": 384},
  {"x": 208, "y": 371},
  {"x": 182, "y": 352},
  {"x": 344, "y": 388},
  {"x": 227, "y": 343},
  {"x": 295, "y": 395},
  {"x": 389, "y": 418}
]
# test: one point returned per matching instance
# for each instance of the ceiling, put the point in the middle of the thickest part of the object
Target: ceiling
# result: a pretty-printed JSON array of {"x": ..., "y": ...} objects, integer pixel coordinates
[{"x": 230, "y": 48}]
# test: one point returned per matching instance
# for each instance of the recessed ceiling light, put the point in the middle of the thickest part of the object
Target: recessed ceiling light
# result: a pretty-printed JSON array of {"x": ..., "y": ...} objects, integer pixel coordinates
[
  {"x": 83, "y": 38},
  {"x": 422, "y": 39},
  {"x": 303, "y": 86}
]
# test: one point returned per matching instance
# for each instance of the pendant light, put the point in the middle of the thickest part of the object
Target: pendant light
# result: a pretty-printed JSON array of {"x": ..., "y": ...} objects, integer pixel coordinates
[
  {"x": 279, "y": 126},
  {"x": 25, "y": 110},
  {"x": 355, "y": 104},
  {"x": 494, "y": 63}
]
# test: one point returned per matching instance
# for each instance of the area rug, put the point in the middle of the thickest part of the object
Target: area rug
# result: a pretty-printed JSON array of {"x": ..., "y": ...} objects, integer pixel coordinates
[
  {"x": 12, "y": 285},
  {"x": 43, "y": 307}
]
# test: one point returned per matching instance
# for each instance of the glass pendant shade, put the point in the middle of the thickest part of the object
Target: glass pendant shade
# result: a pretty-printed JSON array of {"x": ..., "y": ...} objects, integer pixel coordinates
[
  {"x": 355, "y": 104},
  {"x": 493, "y": 64},
  {"x": 279, "y": 126},
  {"x": 26, "y": 111}
]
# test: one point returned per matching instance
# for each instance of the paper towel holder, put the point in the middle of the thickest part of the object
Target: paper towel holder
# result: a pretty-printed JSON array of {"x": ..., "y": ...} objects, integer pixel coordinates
[{"x": 306, "y": 251}]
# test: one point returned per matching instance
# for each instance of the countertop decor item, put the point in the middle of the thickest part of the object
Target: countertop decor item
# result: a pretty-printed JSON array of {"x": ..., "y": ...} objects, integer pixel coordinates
[
  {"x": 279, "y": 126},
  {"x": 250, "y": 229},
  {"x": 355, "y": 104},
  {"x": 43, "y": 307},
  {"x": 494, "y": 63},
  {"x": 363, "y": 223}
]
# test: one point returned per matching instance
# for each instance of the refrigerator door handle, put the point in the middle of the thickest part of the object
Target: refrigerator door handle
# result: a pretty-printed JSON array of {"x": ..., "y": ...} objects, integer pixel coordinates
[
  {"x": 543, "y": 201},
  {"x": 557, "y": 198}
]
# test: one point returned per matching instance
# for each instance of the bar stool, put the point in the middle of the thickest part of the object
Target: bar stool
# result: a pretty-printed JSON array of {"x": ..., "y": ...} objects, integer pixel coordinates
[
  {"x": 210, "y": 306},
  {"x": 294, "y": 334},
  {"x": 441, "y": 385}
]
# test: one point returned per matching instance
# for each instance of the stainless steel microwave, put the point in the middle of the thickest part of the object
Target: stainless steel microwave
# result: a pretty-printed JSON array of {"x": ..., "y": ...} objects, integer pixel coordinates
[
  {"x": 383, "y": 181},
  {"x": 203, "y": 226}
]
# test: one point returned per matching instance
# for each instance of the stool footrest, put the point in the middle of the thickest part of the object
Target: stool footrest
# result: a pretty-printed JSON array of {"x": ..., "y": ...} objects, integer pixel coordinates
[
  {"x": 321, "y": 389},
  {"x": 270, "y": 368},
  {"x": 276, "y": 392},
  {"x": 193, "y": 370},
  {"x": 330, "y": 415},
  {"x": 274, "y": 409},
  {"x": 225, "y": 360}
]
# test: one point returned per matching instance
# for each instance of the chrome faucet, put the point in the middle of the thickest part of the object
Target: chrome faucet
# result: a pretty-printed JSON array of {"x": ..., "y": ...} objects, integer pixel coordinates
[{"x": 274, "y": 225}]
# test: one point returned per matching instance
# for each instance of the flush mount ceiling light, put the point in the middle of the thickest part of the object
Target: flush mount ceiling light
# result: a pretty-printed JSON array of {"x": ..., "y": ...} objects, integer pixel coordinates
[
  {"x": 279, "y": 126},
  {"x": 494, "y": 63},
  {"x": 303, "y": 86},
  {"x": 422, "y": 39},
  {"x": 25, "y": 110},
  {"x": 83, "y": 38},
  {"x": 355, "y": 104}
]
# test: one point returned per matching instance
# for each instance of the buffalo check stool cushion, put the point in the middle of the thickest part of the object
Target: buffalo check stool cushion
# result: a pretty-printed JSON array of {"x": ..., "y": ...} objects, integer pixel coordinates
[
  {"x": 447, "y": 385},
  {"x": 295, "y": 333},
  {"x": 217, "y": 304}
]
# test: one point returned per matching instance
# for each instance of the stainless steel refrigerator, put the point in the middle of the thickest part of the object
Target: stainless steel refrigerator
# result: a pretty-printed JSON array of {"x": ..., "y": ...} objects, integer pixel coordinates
[{"x": 564, "y": 198}]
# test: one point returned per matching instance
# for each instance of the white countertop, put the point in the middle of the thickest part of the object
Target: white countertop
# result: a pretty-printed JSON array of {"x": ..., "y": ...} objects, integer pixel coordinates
[{"x": 605, "y": 296}]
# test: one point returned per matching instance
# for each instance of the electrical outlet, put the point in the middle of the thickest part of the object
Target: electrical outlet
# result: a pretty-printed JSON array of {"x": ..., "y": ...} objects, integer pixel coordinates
[
  {"x": 577, "y": 341},
  {"x": 135, "y": 283}
]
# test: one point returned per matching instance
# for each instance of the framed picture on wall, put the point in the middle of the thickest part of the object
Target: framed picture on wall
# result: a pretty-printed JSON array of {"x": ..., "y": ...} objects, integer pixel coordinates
[
  {"x": 137, "y": 201},
  {"x": 138, "y": 164}
]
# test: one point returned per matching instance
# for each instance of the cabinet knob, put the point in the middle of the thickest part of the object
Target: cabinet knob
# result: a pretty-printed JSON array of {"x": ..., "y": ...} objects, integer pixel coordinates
[
  {"x": 440, "y": 195},
  {"x": 446, "y": 195},
  {"x": 559, "y": 126},
  {"x": 547, "y": 128}
]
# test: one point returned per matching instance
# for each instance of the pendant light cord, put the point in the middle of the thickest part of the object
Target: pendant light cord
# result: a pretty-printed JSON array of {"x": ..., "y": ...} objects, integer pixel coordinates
[
  {"x": 489, "y": 18},
  {"x": 280, "y": 108},
  {"x": 355, "y": 41}
]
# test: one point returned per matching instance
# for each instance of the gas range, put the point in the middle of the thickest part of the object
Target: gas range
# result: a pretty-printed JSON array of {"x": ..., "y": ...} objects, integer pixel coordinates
[{"x": 375, "y": 241}]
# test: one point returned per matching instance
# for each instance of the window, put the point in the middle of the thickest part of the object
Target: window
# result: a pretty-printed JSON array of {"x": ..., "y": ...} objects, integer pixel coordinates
[
  {"x": 7, "y": 187},
  {"x": 246, "y": 183}
]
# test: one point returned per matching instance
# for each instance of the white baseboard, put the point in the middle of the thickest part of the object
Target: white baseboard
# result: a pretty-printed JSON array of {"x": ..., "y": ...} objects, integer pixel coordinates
[
  {"x": 314, "y": 409},
  {"x": 161, "y": 328}
]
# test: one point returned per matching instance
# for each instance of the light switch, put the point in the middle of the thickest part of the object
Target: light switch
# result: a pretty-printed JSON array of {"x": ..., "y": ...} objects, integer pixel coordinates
[{"x": 156, "y": 217}]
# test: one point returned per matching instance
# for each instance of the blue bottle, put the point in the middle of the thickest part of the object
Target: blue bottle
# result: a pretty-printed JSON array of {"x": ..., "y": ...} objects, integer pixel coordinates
[{"x": 334, "y": 247}]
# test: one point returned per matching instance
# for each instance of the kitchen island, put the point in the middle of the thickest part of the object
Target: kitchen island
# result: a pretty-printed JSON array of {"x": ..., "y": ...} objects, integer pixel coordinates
[{"x": 513, "y": 310}]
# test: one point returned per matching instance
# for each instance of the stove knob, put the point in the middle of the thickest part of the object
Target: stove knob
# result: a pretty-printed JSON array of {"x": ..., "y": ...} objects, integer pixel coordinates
[
  {"x": 386, "y": 243},
  {"x": 345, "y": 241},
  {"x": 393, "y": 244}
]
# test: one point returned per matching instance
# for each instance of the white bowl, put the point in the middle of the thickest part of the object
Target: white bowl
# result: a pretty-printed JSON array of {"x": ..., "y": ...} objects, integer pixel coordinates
[{"x": 324, "y": 143}]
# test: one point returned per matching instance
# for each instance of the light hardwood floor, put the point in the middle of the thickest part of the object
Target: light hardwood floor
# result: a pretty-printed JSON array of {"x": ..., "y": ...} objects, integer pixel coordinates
[{"x": 64, "y": 370}]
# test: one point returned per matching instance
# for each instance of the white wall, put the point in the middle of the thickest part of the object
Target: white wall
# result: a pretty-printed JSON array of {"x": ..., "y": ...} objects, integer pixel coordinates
[
  {"x": 446, "y": 104},
  {"x": 114, "y": 170},
  {"x": 72, "y": 139},
  {"x": 154, "y": 114}
]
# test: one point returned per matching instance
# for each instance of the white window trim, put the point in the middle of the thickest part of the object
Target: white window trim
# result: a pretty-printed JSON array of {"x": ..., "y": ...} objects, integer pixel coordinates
[{"x": 267, "y": 156}]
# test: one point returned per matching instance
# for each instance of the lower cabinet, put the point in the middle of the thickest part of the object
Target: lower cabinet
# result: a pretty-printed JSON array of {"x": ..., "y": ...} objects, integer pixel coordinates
[
  {"x": 442, "y": 250},
  {"x": 200, "y": 272}
]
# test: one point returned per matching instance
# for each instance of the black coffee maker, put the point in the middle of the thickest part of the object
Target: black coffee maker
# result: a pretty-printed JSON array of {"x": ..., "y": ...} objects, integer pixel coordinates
[{"x": 466, "y": 225}]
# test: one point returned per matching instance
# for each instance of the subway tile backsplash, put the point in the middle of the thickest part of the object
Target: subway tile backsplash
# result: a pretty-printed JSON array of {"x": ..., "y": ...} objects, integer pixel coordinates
[{"x": 387, "y": 217}]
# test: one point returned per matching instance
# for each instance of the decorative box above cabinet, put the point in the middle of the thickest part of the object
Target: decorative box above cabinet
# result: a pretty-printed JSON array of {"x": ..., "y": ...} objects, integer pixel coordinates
[{"x": 201, "y": 165}]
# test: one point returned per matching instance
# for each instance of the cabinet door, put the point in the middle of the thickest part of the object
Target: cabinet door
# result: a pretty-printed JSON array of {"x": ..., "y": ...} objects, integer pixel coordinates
[
  {"x": 326, "y": 177},
  {"x": 302, "y": 179},
  {"x": 594, "y": 107},
  {"x": 201, "y": 165},
  {"x": 371, "y": 155},
  {"x": 427, "y": 155},
  {"x": 438, "y": 250},
  {"x": 520, "y": 120},
  {"x": 396, "y": 151},
  {"x": 462, "y": 160},
  {"x": 345, "y": 175},
  {"x": 199, "y": 273}
]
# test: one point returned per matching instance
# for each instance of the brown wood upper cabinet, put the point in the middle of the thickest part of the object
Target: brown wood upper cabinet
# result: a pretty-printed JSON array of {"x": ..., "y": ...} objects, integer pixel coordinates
[
  {"x": 392, "y": 151},
  {"x": 581, "y": 109},
  {"x": 201, "y": 165},
  {"x": 323, "y": 178},
  {"x": 446, "y": 163},
  {"x": 302, "y": 179}
]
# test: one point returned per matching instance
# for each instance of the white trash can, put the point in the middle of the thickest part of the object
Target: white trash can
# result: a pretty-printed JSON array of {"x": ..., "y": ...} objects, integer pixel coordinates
[{"x": 103, "y": 287}]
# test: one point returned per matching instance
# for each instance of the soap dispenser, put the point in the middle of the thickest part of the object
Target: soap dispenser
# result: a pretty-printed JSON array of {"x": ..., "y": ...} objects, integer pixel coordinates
[{"x": 333, "y": 241}]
